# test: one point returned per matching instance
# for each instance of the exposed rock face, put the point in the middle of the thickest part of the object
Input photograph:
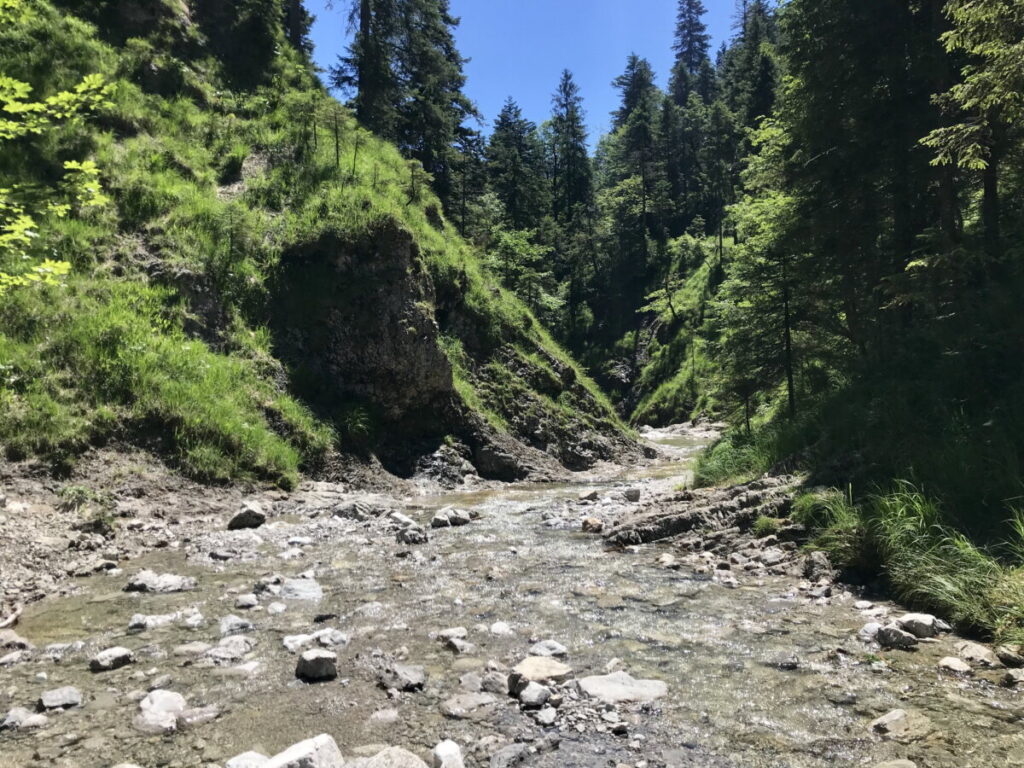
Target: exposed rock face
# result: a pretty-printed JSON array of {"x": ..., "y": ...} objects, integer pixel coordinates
[
  {"x": 364, "y": 321},
  {"x": 358, "y": 318}
]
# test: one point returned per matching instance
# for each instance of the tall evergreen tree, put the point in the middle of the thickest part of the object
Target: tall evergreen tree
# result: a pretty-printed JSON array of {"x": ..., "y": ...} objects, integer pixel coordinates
[
  {"x": 515, "y": 168},
  {"x": 368, "y": 68},
  {"x": 571, "y": 172}
]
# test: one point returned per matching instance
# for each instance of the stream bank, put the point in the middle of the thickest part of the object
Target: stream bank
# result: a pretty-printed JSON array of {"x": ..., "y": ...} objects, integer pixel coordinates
[{"x": 743, "y": 666}]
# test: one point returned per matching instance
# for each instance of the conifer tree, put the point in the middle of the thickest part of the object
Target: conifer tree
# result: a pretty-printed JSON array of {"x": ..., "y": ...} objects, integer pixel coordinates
[
  {"x": 515, "y": 167},
  {"x": 571, "y": 173}
]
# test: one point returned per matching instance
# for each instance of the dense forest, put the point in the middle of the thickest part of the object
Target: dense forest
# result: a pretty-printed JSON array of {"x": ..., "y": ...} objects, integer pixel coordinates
[{"x": 814, "y": 233}]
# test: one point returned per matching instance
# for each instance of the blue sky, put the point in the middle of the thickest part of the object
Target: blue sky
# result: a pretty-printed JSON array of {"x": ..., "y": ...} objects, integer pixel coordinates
[{"x": 520, "y": 47}]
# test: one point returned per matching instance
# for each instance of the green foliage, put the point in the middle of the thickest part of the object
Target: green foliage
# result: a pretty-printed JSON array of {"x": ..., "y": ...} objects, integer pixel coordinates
[{"x": 767, "y": 526}]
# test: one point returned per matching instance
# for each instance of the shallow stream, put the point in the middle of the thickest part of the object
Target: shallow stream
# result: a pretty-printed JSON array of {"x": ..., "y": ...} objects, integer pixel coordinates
[{"x": 727, "y": 655}]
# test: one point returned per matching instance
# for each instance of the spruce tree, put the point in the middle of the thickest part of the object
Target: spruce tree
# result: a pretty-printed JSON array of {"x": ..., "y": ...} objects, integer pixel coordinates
[
  {"x": 571, "y": 173},
  {"x": 515, "y": 168}
]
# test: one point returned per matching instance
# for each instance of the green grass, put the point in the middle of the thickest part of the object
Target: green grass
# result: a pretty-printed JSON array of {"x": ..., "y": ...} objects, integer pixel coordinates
[
  {"x": 97, "y": 360},
  {"x": 117, "y": 354},
  {"x": 929, "y": 564}
]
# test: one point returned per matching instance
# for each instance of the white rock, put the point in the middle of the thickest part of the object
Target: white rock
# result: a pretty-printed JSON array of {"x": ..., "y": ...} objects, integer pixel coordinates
[
  {"x": 159, "y": 712},
  {"x": 501, "y": 628},
  {"x": 955, "y": 666},
  {"x": 869, "y": 632},
  {"x": 61, "y": 698},
  {"x": 301, "y": 589},
  {"x": 921, "y": 625},
  {"x": 110, "y": 659},
  {"x": 319, "y": 752},
  {"x": 548, "y": 648},
  {"x": 534, "y": 696},
  {"x": 540, "y": 668},
  {"x": 464, "y": 705},
  {"x": 620, "y": 687},
  {"x": 247, "y": 760},
  {"x": 246, "y": 602},
  {"x": 448, "y": 754},
  {"x": 149, "y": 581},
  {"x": 395, "y": 757},
  {"x": 233, "y": 625},
  {"x": 977, "y": 654}
]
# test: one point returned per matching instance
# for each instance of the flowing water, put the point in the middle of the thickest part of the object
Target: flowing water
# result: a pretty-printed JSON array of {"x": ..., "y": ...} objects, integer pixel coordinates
[{"x": 731, "y": 700}]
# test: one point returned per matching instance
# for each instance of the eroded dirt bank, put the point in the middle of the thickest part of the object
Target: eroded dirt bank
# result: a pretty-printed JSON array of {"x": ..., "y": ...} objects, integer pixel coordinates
[{"x": 711, "y": 648}]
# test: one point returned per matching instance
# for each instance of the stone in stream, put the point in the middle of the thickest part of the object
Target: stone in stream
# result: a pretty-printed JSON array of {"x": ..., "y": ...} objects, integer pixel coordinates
[
  {"x": 233, "y": 625},
  {"x": 395, "y": 757},
  {"x": 548, "y": 648},
  {"x": 12, "y": 641},
  {"x": 140, "y": 622},
  {"x": 632, "y": 495},
  {"x": 319, "y": 752},
  {"x": 464, "y": 705},
  {"x": 592, "y": 525},
  {"x": 977, "y": 654},
  {"x": 1013, "y": 678},
  {"x": 411, "y": 536},
  {"x": 159, "y": 711},
  {"x": 902, "y": 726},
  {"x": 458, "y": 645},
  {"x": 955, "y": 666},
  {"x": 922, "y": 625},
  {"x": 247, "y": 760},
  {"x": 403, "y": 677},
  {"x": 869, "y": 632},
  {"x": 111, "y": 659},
  {"x": 317, "y": 665},
  {"x": 534, "y": 696},
  {"x": 450, "y": 517},
  {"x": 891, "y": 636},
  {"x": 447, "y": 754},
  {"x": 60, "y": 698},
  {"x": 495, "y": 682},
  {"x": 230, "y": 649},
  {"x": 588, "y": 496},
  {"x": 546, "y": 716},
  {"x": 301, "y": 589},
  {"x": 538, "y": 669},
  {"x": 246, "y": 602},
  {"x": 620, "y": 687},
  {"x": 1010, "y": 655},
  {"x": 251, "y": 516},
  {"x": 20, "y": 718},
  {"x": 508, "y": 756},
  {"x": 149, "y": 581}
]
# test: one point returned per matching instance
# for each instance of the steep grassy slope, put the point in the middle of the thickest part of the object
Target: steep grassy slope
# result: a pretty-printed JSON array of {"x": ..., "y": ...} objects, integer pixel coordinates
[{"x": 269, "y": 282}]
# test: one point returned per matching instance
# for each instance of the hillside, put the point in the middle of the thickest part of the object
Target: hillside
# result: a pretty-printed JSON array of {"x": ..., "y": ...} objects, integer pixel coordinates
[{"x": 263, "y": 288}]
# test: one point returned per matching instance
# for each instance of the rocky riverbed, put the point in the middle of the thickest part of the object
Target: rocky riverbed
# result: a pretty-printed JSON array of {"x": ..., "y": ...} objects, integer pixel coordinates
[{"x": 616, "y": 621}]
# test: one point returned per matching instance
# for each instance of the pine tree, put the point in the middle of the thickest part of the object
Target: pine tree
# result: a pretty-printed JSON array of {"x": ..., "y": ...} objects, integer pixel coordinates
[
  {"x": 692, "y": 69},
  {"x": 431, "y": 118},
  {"x": 368, "y": 69},
  {"x": 571, "y": 173},
  {"x": 515, "y": 167},
  {"x": 692, "y": 41}
]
